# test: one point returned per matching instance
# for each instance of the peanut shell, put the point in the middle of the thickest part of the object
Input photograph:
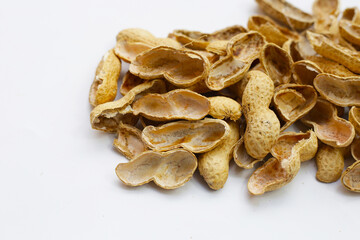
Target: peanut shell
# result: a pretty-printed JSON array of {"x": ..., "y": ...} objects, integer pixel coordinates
[
  {"x": 128, "y": 141},
  {"x": 199, "y": 41},
  {"x": 133, "y": 41},
  {"x": 272, "y": 32},
  {"x": 305, "y": 71},
  {"x": 329, "y": 128},
  {"x": 176, "y": 104},
  {"x": 293, "y": 101},
  {"x": 129, "y": 81},
  {"x": 330, "y": 164},
  {"x": 355, "y": 149},
  {"x": 107, "y": 116},
  {"x": 289, "y": 151},
  {"x": 224, "y": 108},
  {"x": 286, "y": 13},
  {"x": 354, "y": 118},
  {"x": 104, "y": 87},
  {"x": 263, "y": 126},
  {"x": 181, "y": 68},
  {"x": 340, "y": 91},
  {"x": 327, "y": 48},
  {"x": 242, "y": 50},
  {"x": 196, "y": 136},
  {"x": 351, "y": 177},
  {"x": 277, "y": 63},
  {"x": 214, "y": 165},
  {"x": 168, "y": 170}
]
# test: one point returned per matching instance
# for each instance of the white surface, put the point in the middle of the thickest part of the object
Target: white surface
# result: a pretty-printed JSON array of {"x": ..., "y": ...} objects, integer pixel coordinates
[{"x": 57, "y": 178}]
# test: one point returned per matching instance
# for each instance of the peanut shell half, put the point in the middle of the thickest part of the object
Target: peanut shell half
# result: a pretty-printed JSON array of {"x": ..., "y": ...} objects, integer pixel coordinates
[
  {"x": 176, "y": 104},
  {"x": 340, "y": 91},
  {"x": 168, "y": 170},
  {"x": 242, "y": 50},
  {"x": 329, "y": 128},
  {"x": 351, "y": 177},
  {"x": 196, "y": 136},
  {"x": 182, "y": 68},
  {"x": 286, "y": 13}
]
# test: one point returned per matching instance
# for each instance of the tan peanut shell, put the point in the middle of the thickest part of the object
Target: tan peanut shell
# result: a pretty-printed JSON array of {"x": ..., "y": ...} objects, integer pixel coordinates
[
  {"x": 292, "y": 48},
  {"x": 286, "y": 13},
  {"x": 168, "y": 170},
  {"x": 351, "y": 177},
  {"x": 339, "y": 90},
  {"x": 305, "y": 71},
  {"x": 355, "y": 149},
  {"x": 287, "y": 140},
  {"x": 214, "y": 165},
  {"x": 350, "y": 31},
  {"x": 224, "y": 108},
  {"x": 128, "y": 141},
  {"x": 331, "y": 67},
  {"x": 325, "y": 13},
  {"x": 218, "y": 47},
  {"x": 199, "y": 41},
  {"x": 293, "y": 101},
  {"x": 354, "y": 118},
  {"x": 182, "y": 68},
  {"x": 195, "y": 136},
  {"x": 351, "y": 14},
  {"x": 133, "y": 41},
  {"x": 272, "y": 32},
  {"x": 337, "y": 39},
  {"x": 104, "y": 87},
  {"x": 263, "y": 126},
  {"x": 241, "y": 157},
  {"x": 329, "y": 128},
  {"x": 327, "y": 48},
  {"x": 176, "y": 104},
  {"x": 106, "y": 117},
  {"x": 129, "y": 81},
  {"x": 289, "y": 151},
  {"x": 330, "y": 164},
  {"x": 277, "y": 63},
  {"x": 242, "y": 50}
]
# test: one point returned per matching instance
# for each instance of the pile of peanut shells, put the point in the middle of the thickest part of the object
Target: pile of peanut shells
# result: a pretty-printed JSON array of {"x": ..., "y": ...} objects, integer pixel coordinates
[{"x": 197, "y": 100}]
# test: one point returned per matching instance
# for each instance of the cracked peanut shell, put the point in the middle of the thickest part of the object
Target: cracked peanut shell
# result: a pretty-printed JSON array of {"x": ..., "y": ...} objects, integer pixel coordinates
[
  {"x": 242, "y": 50},
  {"x": 329, "y": 49},
  {"x": 289, "y": 151},
  {"x": 351, "y": 177},
  {"x": 181, "y": 68},
  {"x": 286, "y": 13},
  {"x": 133, "y": 41},
  {"x": 293, "y": 101},
  {"x": 329, "y": 128},
  {"x": 277, "y": 63},
  {"x": 196, "y": 136},
  {"x": 199, "y": 41},
  {"x": 128, "y": 141},
  {"x": 168, "y": 170},
  {"x": 341, "y": 91},
  {"x": 272, "y": 32},
  {"x": 107, "y": 116},
  {"x": 173, "y": 105}
]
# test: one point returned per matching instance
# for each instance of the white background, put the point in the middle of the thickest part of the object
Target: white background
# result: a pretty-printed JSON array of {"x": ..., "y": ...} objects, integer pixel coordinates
[{"x": 57, "y": 178}]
